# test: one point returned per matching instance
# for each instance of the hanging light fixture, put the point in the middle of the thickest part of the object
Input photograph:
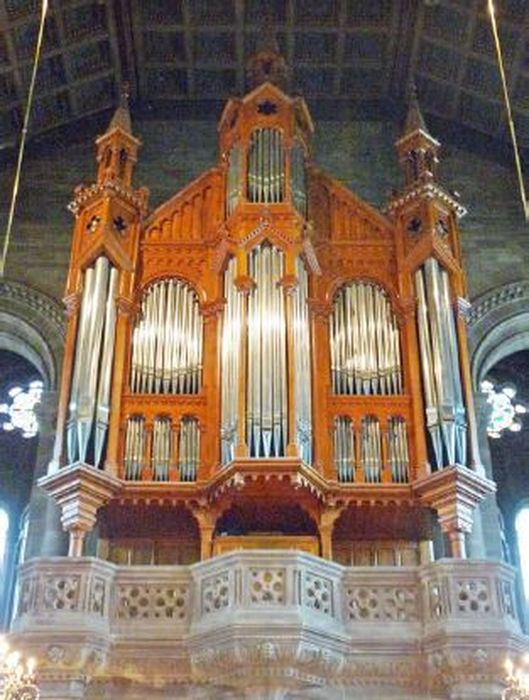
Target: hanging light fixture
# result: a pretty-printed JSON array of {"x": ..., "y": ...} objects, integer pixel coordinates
[
  {"x": 17, "y": 676},
  {"x": 517, "y": 680},
  {"x": 20, "y": 413},
  {"x": 505, "y": 413}
]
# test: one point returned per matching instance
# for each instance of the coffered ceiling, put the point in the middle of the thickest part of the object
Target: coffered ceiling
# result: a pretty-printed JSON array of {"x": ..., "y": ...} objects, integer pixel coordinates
[{"x": 187, "y": 56}]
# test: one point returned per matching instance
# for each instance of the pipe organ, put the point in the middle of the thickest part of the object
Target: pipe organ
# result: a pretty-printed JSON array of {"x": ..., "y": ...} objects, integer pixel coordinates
[
  {"x": 364, "y": 453},
  {"x": 443, "y": 395},
  {"x": 89, "y": 405},
  {"x": 365, "y": 348},
  {"x": 266, "y": 166},
  {"x": 167, "y": 341},
  {"x": 266, "y": 398},
  {"x": 162, "y": 447},
  {"x": 265, "y": 337}
]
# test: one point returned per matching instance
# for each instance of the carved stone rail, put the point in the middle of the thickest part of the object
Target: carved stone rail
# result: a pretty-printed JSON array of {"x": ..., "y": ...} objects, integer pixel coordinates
[{"x": 237, "y": 616}]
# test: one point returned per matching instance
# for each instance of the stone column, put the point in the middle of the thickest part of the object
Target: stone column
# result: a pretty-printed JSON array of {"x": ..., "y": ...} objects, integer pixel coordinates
[
  {"x": 487, "y": 519},
  {"x": 45, "y": 534}
]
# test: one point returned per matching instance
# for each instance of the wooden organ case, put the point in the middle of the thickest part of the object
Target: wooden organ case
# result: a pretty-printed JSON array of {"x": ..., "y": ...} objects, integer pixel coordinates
[{"x": 265, "y": 360}]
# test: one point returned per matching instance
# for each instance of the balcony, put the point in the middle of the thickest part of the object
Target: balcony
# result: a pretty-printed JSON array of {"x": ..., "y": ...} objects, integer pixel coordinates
[{"x": 269, "y": 619}]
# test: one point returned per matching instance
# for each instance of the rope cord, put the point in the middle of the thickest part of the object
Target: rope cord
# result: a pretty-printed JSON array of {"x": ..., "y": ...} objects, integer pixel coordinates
[
  {"x": 512, "y": 129},
  {"x": 22, "y": 145}
]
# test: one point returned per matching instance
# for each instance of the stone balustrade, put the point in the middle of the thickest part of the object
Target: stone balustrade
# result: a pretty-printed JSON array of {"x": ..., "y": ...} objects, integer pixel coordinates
[{"x": 224, "y": 620}]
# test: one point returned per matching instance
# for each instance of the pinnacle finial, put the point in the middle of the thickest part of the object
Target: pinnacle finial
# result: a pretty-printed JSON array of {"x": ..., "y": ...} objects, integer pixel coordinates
[
  {"x": 121, "y": 118},
  {"x": 414, "y": 119},
  {"x": 267, "y": 64}
]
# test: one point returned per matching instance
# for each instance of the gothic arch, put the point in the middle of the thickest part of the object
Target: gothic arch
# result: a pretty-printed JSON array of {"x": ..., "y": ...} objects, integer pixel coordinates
[
  {"x": 31, "y": 325},
  {"x": 498, "y": 326}
]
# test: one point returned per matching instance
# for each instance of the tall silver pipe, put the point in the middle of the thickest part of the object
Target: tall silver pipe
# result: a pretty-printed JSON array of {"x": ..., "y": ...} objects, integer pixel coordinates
[
  {"x": 80, "y": 360},
  {"x": 89, "y": 371},
  {"x": 445, "y": 410},
  {"x": 230, "y": 362},
  {"x": 105, "y": 375},
  {"x": 451, "y": 345}
]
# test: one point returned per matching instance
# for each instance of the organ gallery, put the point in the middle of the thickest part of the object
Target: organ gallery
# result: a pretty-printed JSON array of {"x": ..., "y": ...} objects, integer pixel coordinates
[{"x": 267, "y": 368}]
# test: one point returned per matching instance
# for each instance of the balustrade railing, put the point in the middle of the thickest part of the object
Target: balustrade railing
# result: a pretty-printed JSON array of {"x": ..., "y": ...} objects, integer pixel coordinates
[{"x": 177, "y": 599}]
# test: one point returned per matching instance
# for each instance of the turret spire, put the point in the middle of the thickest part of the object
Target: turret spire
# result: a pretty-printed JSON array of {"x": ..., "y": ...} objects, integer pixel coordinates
[
  {"x": 267, "y": 64},
  {"x": 117, "y": 148},
  {"x": 121, "y": 118},
  {"x": 417, "y": 148},
  {"x": 414, "y": 119}
]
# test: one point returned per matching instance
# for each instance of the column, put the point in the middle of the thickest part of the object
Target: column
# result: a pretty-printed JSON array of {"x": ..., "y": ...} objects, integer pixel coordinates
[
  {"x": 488, "y": 516},
  {"x": 46, "y": 537}
]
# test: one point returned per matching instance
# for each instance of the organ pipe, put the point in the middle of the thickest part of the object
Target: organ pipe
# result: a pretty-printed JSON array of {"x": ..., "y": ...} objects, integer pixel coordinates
[
  {"x": 365, "y": 346},
  {"x": 370, "y": 437},
  {"x": 444, "y": 406},
  {"x": 398, "y": 457},
  {"x": 233, "y": 179},
  {"x": 90, "y": 389},
  {"x": 188, "y": 449},
  {"x": 371, "y": 453},
  {"x": 266, "y": 400},
  {"x": 161, "y": 448},
  {"x": 164, "y": 450},
  {"x": 299, "y": 187},
  {"x": 230, "y": 363},
  {"x": 167, "y": 341},
  {"x": 344, "y": 449},
  {"x": 266, "y": 166},
  {"x": 302, "y": 379},
  {"x": 134, "y": 447}
]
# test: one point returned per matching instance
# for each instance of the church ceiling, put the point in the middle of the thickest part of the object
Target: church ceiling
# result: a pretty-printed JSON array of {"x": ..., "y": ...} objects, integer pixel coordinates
[{"x": 189, "y": 55}]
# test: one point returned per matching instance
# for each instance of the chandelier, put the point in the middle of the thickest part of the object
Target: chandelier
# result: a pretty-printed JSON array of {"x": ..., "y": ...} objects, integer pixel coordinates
[
  {"x": 20, "y": 413},
  {"x": 517, "y": 680},
  {"x": 17, "y": 677},
  {"x": 505, "y": 413}
]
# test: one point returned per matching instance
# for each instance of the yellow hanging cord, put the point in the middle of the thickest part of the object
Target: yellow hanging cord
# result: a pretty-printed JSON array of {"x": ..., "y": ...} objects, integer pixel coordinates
[
  {"x": 514, "y": 139},
  {"x": 16, "y": 182}
]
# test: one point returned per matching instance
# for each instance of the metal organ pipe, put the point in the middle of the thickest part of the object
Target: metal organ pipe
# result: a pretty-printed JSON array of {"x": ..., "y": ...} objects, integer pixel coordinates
[
  {"x": 266, "y": 166},
  {"x": 365, "y": 347},
  {"x": 134, "y": 447},
  {"x": 299, "y": 187},
  {"x": 302, "y": 379},
  {"x": 398, "y": 457},
  {"x": 266, "y": 370},
  {"x": 344, "y": 449},
  {"x": 188, "y": 449},
  {"x": 371, "y": 450},
  {"x": 167, "y": 341},
  {"x": 445, "y": 410},
  {"x": 230, "y": 363},
  {"x": 266, "y": 401},
  {"x": 161, "y": 448},
  {"x": 90, "y": 390},
  {"x": 233, "y": 179},
  {"x": 370, "y": 437}
]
